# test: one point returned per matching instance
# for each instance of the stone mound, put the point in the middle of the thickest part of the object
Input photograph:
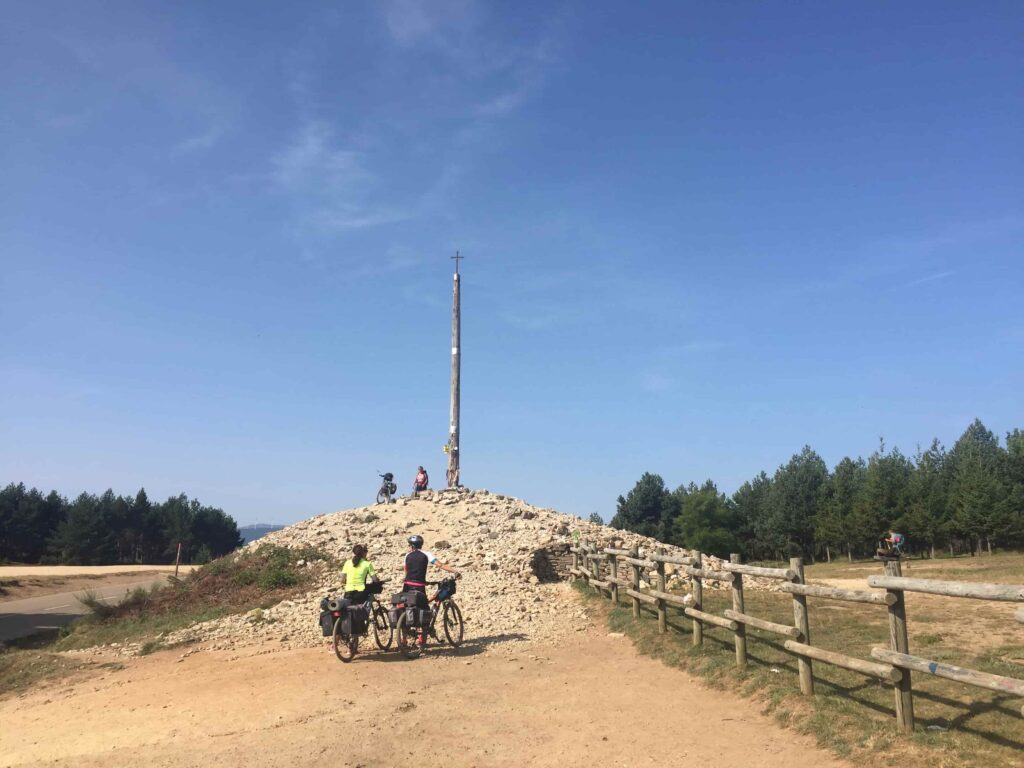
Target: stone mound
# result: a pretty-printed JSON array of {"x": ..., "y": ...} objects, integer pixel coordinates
[{"x": 514, "y": 560}]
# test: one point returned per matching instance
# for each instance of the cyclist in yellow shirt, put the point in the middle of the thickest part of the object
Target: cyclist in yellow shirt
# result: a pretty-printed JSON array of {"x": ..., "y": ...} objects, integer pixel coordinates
[{"x": 354, "y": 575}]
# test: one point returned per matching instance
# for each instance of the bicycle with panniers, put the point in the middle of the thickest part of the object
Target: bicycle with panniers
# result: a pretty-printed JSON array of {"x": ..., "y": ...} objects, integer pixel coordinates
[
  {"x": 348, "y": 622},
  {"x": 414, "y": 617}
]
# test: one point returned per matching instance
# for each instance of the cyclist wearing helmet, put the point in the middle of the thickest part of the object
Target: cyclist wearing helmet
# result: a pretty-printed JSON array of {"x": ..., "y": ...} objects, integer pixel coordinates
[{"x": 416, "y": 564}]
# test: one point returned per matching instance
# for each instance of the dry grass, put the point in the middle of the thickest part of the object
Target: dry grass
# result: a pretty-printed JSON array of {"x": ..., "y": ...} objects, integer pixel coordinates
[{"x": 852, "y": 715}]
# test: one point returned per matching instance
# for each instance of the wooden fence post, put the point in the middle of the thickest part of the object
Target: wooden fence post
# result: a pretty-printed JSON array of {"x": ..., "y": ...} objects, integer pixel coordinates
[
  {"x": 595, "y": 568},
  {"x": 662, "y": 607},
  {"x": 613, "y": 566},
  {"x": 635, "y": 554},
  {"x": 698, "y": 600},
  {"x": 802, "y": 622},
  {"x": 576, "y": 560},
  {"x": 740, "y": 635},
  {"x": 898, "y": 642}
]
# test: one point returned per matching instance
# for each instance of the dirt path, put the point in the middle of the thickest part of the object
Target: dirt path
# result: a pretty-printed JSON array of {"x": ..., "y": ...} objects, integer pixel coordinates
[
  {"x": 479, "y": 708},
  {"x": 34, "y": 586},
  {"x": 30, "y": 571}
]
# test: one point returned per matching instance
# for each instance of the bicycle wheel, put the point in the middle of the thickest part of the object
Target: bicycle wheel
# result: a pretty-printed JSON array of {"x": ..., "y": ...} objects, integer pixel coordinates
[
  {"x": 408, "y": 638},
  {"x": 344, "y": 645},
  {"x": 453, "y": 627},
  {"x": 383, "y": 498},
  {"x": 382, "y": 631}
]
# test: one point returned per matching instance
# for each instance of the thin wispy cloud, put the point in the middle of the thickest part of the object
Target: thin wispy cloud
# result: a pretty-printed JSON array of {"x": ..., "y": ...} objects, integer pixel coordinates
[
  {"x": 330, "y": 184},
  {"x": 345, "y": 170},
  {"x": 201, "y": 141},
  {"x": 891, "y": 258},
  {"x": 931, "y": 278},
  {"x": 656, "y": 382}
]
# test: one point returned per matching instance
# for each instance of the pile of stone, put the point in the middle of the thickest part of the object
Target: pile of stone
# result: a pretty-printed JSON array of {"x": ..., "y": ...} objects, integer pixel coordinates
[{"x": 514, "y": 559}]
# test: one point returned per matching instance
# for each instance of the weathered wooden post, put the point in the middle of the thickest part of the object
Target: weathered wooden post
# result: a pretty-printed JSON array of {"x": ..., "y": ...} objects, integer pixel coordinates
[
  {"x": 575, "y": 560},
  {"x": 662, "y": 607},
  {"x": 740, "y": 635},
  {"x": 634, "y": 553},
  {"x": 802, "y": 622},
  {"x": 898, "y": 642},
  {"x": 698, "y": 599},
  {"x": 613, "y": 567},
  {"x": 595, "y": 568}
]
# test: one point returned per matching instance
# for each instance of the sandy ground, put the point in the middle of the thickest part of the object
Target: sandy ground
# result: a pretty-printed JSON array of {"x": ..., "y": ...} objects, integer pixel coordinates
[
  {"x": 25, "y": 571},
  {"x": 593, "y": 700}
]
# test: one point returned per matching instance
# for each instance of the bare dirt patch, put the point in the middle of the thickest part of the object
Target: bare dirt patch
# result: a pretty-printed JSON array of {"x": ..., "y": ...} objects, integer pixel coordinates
[{"x": 544, "y": 706}]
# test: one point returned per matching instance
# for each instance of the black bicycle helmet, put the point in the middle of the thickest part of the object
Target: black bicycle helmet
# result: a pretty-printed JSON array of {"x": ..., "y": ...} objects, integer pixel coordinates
[{"x": 416, "y": 541}]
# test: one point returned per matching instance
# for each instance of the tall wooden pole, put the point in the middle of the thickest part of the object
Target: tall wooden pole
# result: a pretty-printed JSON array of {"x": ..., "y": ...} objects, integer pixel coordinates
[{"x": 453, "y": 427}]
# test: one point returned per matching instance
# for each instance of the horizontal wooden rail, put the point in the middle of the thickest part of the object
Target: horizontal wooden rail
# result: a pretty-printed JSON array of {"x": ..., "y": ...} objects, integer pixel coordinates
[
  {"x": 1008, "y": 592},
  {"x": 850, "y": 595},
  {"x": 586, "y": 572},
  {"x": 602, "y": 584},
  {"x": 620, "y": 552},
  {"x": 673, "y": 559},
  {"x": 710, "y": 618},
  {"x": 643, "y": 597},
  {"x": 870, "y": 668},
  {"x": 670, "y": 598},
  {"x": 756, "y": 570},
  {"x": 620, "y": 581},
  {"x": 701, "y": 573},
  {"x": 638, "y": 562},
  {"x": 768, "y": 626},
  {"x": 575, "y": 572},
  {"x": 948, "y": 671}
]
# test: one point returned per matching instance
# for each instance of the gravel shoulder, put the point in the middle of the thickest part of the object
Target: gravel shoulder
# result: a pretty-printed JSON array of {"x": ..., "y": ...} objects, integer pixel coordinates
[{"x": 542, "y": 706}]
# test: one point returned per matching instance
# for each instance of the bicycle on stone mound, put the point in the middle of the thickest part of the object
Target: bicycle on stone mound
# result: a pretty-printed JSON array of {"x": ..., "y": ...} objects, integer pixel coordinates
[
  {"x": 346, "y": 642},
  {"x": 388, "y": 488},
  {"x": 414, "y": 626}
]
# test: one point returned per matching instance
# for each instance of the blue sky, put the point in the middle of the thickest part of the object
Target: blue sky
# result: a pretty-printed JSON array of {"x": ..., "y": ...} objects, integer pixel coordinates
[{"x": 698, "y": 236}]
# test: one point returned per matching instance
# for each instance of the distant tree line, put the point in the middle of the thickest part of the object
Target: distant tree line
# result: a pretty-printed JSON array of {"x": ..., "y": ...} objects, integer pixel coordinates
[
  {"x": 109, "y": 529},
  {"x": 967, "y": 499}
]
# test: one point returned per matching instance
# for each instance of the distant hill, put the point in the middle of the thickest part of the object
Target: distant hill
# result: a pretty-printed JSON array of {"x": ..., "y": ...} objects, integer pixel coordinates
[{"x": 253, "y": 532}]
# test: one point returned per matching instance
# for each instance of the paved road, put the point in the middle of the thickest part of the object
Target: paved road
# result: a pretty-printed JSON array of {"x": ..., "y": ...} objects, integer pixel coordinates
[{"x": 19, "y": 618}]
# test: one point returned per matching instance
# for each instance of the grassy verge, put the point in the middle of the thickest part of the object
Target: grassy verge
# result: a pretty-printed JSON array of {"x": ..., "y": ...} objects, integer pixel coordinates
[
  {"x": 232, "y": 584},
  {"x": 1006, "y": 567},
  {"x": 850, "y": 714}
]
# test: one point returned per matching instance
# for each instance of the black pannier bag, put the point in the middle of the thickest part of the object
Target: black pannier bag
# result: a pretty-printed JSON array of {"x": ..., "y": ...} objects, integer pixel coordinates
[
  {"x": 353, "y": 620},
  {"x": 446, "y": 589},
  {"x": 412, "y": 617},
  {"x": 398, "y": 599},
  {"x": 393, "y": 615},
  {"x": 375, "y": 588},
  {"x": 425, "y": 618},
  {"x": 326, "y": 623}
]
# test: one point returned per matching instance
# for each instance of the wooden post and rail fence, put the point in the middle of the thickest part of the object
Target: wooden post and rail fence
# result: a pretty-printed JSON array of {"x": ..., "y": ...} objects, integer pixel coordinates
[{"x": 892, "y": 664}]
